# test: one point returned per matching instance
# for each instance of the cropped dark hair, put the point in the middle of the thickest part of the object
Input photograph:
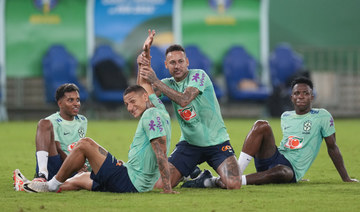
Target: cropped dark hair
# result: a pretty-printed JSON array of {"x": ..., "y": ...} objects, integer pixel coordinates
[
  {"x": 303, "y": 80},
  {"x": 64, "y": 88},
  {"x": 174, "y": 47},
  {"x": 134, "y": 88}
]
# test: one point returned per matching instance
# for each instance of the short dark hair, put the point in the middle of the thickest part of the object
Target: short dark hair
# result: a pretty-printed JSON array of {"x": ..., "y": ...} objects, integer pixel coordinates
[
  {"x": 303, "y": 80},
  {"x": 134, "y": 88},
  {"x": 174, "y": 47},
  {"x": 64, "y": 88}
]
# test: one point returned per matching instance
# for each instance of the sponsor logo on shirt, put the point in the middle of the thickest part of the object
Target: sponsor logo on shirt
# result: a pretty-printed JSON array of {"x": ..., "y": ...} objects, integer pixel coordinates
[
  {"x": 294, "y": 142},
  {"x": 187, "y": 113},
  {"x": 202, "y": 79},
  {"x": 287, "y": 127},
  {"x": 159, "y": 125},
  {"x": 152, "y": 125},
  {"x": 331, "y": 122},
  {"x": 71, "y": 146},
  {"x": 196, "y": 77}
]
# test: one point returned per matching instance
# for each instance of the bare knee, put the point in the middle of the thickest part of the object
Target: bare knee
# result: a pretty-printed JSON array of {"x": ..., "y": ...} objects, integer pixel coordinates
[
  {"x": 261, "y": 126},
  {"x": 282, "y": 174},
  {"x": 84, "y": 143}
]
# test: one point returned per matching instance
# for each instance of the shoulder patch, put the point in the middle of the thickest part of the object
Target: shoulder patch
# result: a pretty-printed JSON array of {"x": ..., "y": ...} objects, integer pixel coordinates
[
  {"x": 312, "y": 111},
  {"x": 286, "y": 114}
]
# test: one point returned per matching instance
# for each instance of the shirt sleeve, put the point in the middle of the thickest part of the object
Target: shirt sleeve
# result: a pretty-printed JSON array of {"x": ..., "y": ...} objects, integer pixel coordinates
[
  {"x": 328, "y": 125},
  {"x": 157, "y": 102},
  {"x": 199, "y": 79},
  {"x": 153, "y": 124}
]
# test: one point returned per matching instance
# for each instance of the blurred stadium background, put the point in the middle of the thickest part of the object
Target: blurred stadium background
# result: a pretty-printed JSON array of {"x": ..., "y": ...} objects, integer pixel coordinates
[{"x": 251, "y": 49}]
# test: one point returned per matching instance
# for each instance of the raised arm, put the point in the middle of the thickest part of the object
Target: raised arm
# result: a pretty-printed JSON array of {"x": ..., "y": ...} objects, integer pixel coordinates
[
  {"x": 148, "y": 42},
  {"x": 145, "y": 54},
  {"x": 336, "y": 157},
  {"x": 182, "y": 99},
  {"x": 159, "y": 147}
]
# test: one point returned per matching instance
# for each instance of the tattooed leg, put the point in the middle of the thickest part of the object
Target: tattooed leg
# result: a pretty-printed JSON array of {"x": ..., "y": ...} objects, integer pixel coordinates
[
  {"x": 85, "y": 148},
  {"x": 229, "y": 172}
]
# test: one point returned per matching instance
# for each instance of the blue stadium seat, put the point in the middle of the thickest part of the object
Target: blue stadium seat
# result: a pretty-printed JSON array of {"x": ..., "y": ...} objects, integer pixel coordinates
[
  {"x": 158, "y": 62},
  {"x": 60, "y": 67},
  {"x": 198, "y": 60},
  {"x": 284, "y": 64},
  {"x": 109, "y": 79},
  {"x": 238, "y": 67}
]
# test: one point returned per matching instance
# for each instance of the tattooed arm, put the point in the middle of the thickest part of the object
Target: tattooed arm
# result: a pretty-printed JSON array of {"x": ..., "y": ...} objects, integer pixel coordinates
[
  {"x": 179, "y": 98},
  {"x": 159, "y": 147}
]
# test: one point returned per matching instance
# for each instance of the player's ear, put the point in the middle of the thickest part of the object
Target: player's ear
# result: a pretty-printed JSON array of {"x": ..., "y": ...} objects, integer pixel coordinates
[
  {"x": 146, "y": 96},
  {"x": 59, "y": 102}
]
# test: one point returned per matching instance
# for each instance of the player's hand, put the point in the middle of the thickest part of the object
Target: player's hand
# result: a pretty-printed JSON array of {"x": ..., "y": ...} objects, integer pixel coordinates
[
  {"x": 170, "y": 192},
  {"x": 147, "y": 73},
  {"x": 142, "y": 60},
  {"x": 148, "y": 42}
]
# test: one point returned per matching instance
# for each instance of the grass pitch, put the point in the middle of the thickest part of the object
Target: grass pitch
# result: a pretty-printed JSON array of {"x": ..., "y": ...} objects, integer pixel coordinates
[{"x": 324, "y": 192}]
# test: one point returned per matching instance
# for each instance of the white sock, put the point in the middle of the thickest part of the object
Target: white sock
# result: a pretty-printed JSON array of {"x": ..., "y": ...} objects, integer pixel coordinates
[
  {"x": 244, "y": 160},
  {"x": 42, "y": 159},
  {"x": 243, "y": 180},
  {"x": 210, "y": 182},
  {"x": 54, "y": 184}
]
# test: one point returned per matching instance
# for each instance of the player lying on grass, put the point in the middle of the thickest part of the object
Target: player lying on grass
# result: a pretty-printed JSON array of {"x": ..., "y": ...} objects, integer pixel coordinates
[
  {"x": 303, "y": 131},
  {"x": 56, "y": 135},
  {"x": 147, "y": 154}
]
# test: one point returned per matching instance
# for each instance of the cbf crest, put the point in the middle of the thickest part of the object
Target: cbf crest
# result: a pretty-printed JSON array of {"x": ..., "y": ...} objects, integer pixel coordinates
[
  {"x": 307, "y": 127},
  {"x": 81, "y": 132}
]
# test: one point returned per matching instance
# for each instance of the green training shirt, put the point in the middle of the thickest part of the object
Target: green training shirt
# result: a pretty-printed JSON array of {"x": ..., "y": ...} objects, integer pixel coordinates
[
  {"x": 200, "y": 121},
  {"x": 68, "y": 132},
  {"x": 142, "y": 165},
  {"x": 302, "y": 137}
]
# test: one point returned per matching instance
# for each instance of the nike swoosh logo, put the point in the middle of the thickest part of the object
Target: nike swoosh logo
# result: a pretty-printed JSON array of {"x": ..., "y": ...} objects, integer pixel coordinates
[
  {"x": 66, "y": 133},
  {"x": 26, "y": 188}
]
